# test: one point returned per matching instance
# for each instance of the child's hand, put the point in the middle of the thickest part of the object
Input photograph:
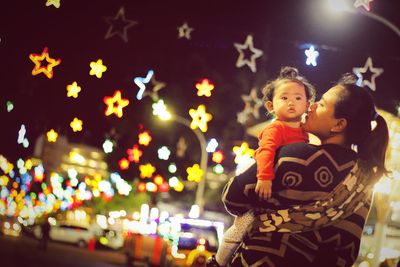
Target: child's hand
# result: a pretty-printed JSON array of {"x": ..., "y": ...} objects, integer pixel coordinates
[{"x": 263, "y": 189}]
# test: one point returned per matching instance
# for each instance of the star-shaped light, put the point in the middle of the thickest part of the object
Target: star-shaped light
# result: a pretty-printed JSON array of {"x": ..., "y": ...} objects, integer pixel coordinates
[
  {"x": 204, "y": 88},
  {"x": 142, "y": 83},
  {"x": 367, "y": 67},
  {"x": 163, "y": 153},
  {"x": 199, "y": 118},
  {"x": 55, "y": 3},
  {"x": 52, "y": 136},
  {"x": 156, "y": 86},
  {"x": 134, "y": 153},
  {"x": 111, "y": 107},
  {"x": 146, "y": 170},
  {"x": 242, "y": 151},
  {"x": 194, "y": 173},
  {"x": 108, "y": 146},
  {"x": 184, "y": 31},
  {"x": 97, "y": 68},
  {"x": 73, "y": 90},
  {"x": 363, "y": 3},
  {"x": 144, "y": 138},
  {"x": 242, "y": 117},
  {"x": 256, "y": 53},
  {"x": 312, "y": 55},
  {"x": 119, "y": 19},
  {"x": 123, "y": 164},
  {"x": 76, "y": 125},
  {"x": 252, "y": 103},
  {"x": 48, "y": 68}
]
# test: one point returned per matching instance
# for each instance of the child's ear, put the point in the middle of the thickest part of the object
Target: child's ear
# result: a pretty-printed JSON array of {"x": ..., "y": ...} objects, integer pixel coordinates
[{"x": 269, "y": 106}]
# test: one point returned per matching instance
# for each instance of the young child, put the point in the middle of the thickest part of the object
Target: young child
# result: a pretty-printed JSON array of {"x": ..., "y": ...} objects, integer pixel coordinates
[{"x": 288, "y": 98}]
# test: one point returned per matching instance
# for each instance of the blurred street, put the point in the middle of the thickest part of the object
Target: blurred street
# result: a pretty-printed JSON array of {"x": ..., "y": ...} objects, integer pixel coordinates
[{"x": 24, "y": 251}]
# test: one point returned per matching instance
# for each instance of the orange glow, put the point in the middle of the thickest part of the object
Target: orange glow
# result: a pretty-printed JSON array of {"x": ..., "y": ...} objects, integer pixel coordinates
[
  {"x": 204, "y": 88},
  {"x": 144, "y": 138},
  {"x": 123, "y": 164},
  {"x": 47, "y": 69},
  {"x": 218, "y": 157},
  {"x": 158, "y": 180},
  {"x": 111, "y": 107}
]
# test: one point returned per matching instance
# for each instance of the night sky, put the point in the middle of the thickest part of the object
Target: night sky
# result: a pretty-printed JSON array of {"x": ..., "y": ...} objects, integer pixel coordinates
[{"x": 76, "y": 32}]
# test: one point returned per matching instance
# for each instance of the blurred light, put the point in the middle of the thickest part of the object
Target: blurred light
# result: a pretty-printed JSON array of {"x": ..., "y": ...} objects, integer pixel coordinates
[
  {"x": 204, "y": 88},
  {"x": 10, "y": 106},
  {"x": 212, "y": 145},
  {"x": 97, "y": 68},
  {"x": 218, "y": 156},
  {"x": 164, "y": 153},
  {"x": 194, "y": 212},
  {"x": 338, "y": 5},
  {"x": 160, "y": 110},
  {"x": 141, "y": 81},
  {"x": 312, "y": 55},
  {"x": 218, "y": 169},
  {"x": 52, "y": 136},
  {"x": 108, "y": 146},
  {"x": 172, "y": 168},
  {"x": 383, "y": 186}
]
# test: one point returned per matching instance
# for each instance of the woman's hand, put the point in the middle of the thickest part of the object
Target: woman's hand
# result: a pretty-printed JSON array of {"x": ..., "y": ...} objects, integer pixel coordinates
[{"x": 263, "y": 189}]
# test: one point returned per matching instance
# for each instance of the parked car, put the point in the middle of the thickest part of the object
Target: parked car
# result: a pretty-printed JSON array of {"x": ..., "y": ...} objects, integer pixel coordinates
[{"x": 73, "y": 234}]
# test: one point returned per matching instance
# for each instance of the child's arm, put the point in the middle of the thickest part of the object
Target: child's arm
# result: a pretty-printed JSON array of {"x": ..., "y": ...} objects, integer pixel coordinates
[{"x": 269, "y": 140}]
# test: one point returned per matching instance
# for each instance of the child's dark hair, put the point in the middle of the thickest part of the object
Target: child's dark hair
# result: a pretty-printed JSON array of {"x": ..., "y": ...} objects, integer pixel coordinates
[
  {"x": 356, "y": 105},
  {"x": 288, "y": 74}
]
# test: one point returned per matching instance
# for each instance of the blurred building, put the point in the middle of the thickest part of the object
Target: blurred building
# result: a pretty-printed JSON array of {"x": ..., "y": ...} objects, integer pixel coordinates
[{"x": 61, "y": 156}]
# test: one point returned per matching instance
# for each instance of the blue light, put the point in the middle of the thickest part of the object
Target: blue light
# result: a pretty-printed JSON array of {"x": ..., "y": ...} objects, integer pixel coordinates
[{"x": 312, "y": 55}]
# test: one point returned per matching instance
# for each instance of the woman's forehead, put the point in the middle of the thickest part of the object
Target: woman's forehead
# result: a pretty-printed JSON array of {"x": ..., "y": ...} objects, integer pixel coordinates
[{"x": 332, "y": 94}]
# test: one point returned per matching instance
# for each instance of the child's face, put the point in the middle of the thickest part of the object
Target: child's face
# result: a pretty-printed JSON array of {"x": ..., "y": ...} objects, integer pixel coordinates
[{"x": 289, "y": 102}]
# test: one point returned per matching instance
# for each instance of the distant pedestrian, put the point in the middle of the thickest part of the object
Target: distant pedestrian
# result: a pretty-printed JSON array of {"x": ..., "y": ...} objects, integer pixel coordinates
[{"x": 45, "y": 230}]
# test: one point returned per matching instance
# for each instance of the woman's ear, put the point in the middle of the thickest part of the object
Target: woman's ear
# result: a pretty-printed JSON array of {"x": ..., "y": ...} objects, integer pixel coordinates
[
  {"x": 340, "y": 126},
  {"x": 268, "y": 105}
]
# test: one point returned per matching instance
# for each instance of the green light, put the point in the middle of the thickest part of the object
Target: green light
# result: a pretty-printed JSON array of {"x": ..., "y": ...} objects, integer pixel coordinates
[{"x": 218, "y": 169}]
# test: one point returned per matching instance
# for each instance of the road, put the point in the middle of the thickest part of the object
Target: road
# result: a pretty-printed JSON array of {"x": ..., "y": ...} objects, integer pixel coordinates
[{"x": 23, "y": 251}]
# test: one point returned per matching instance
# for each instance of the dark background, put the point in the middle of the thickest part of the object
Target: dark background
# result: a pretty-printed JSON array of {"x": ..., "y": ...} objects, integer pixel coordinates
[{"x": 76, "y": 33}]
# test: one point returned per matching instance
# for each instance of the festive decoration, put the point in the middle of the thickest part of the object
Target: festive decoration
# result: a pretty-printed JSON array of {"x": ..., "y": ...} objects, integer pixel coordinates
[
  {"x": 218, "y": 157},
  {"x": 218, "y": 169},
  {"x": 312, "y": 55},
  {"x": 52, "y": 136},
  {"x": 97, "y": 68},
  {"x": 73, "y": 90},
  {"x": 172, "y": 168},
  {"x": 21, "y": 137},
  {"x": 181, "y": 147},
  {"x": 55, "y": 3},
  {"x": 160, "y": 110},
  {"x": 147, "y": 170},
  {"x": 111, "y": 108},
  {"x": 163, "y": 153},
  {"x": 212, "y": 145},
  {"x": 10, "y": 106},
  {"x": 252, "y": 103},
  {"x": 108, "y": 146},
  {"x": 363, "y": 3},
  {"x": 184, "y": 31},
  {"x": 256, "y": 53},
  {"x": 242, "y": 151},
  {"x": 194, "y": 173},
  {"x": 116, "y": 22},
  {"x": 48, "y": 68},
  {"x": 158, "y": 180},
  {"x": 144, "y": 138},
  {"x": 204, "y": 88},
  {"x": 156, "y": 86},
  {"x": 142, "y": 82},
  {"x": 134, "y": 154},
  {"x": 367, "y": 68},
  {"x": 199, "y": 118},
  {"x": 123, "y": 164},
  {"x": 76, "y": 125}
]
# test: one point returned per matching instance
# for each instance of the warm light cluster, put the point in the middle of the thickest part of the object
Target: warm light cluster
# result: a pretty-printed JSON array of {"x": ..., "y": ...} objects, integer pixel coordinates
[
  {"x": 46, "y": 69},
  {"x": 115, "y": 104},
  {"x": 200, "y": 118}
]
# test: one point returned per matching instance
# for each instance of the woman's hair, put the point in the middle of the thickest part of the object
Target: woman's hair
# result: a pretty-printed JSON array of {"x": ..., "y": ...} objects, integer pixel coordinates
[
  {"x": 356, "y": 105},
  {"x": 288, "y": 74}
]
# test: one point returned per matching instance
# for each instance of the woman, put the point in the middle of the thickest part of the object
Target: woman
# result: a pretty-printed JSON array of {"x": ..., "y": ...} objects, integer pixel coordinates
[{"x": 322, "y": 194}]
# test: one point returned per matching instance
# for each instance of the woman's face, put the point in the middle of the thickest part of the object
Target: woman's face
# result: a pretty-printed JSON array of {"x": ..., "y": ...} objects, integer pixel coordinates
[{"x": 320, "y": 118}]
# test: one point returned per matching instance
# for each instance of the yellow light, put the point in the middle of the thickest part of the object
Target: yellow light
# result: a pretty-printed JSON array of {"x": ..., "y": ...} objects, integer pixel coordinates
[
  {"x": 204, "y": 88},
  {"x": 28, "y": 164},
  {"x": 76, "y": 125},
  {"x": 194, "y": 173},
  {"x": 200, "y": 118},
  {"x": 97, "y": 68},
  {"x": 47, "y": 69},
  {"x": 111, "y": 107},
  {"x": 52, "y": 136},
  {"x": 146, "y": 170},
  {"x": 144, "y": 138},
  {"x": 73, "y": 90}
]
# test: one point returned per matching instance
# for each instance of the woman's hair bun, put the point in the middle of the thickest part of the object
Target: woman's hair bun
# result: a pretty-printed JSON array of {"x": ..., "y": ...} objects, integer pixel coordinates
[{"x": 288, "y": 72}]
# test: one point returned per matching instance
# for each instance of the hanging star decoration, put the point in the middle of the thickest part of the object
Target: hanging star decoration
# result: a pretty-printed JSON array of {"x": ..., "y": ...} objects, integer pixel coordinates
[
  {"x": 144, "y": 138},
  {"x": 242, "y": 151},
  {"x": 39, "y": 68},
  {"x": 367, "y": 68},
  {"x": 312, "y": 55},
  {"x": 199, "y": 118},
  {"x": 52, "y": 136},
  {"x": 204, "y": 88},
  {"x": 363, "y": 3},
  {"x": 73, "y": 90},
  {"x": 252, "y": 103},
  {"x": 119, "y": 19},
  {"x": 55, "y": 3},
  {"x": 97, "y": 68},
  {"x": 111, "y": 107},
  {"x": 184, "y": 31},
  {"x": 194, "y": 173},
  {"x": 147, "y": 170},
  {"x": 256, "y": 53},
  {"x": 134, "y": 153},
  {"x": 181, "y": 147},
  {"x": 142, "y": 82},
  {"x": 76, "y": 125}
]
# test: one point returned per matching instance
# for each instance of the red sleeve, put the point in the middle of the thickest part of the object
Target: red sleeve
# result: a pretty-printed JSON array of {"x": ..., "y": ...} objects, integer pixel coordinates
[{"x": 269, "y": 140}]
